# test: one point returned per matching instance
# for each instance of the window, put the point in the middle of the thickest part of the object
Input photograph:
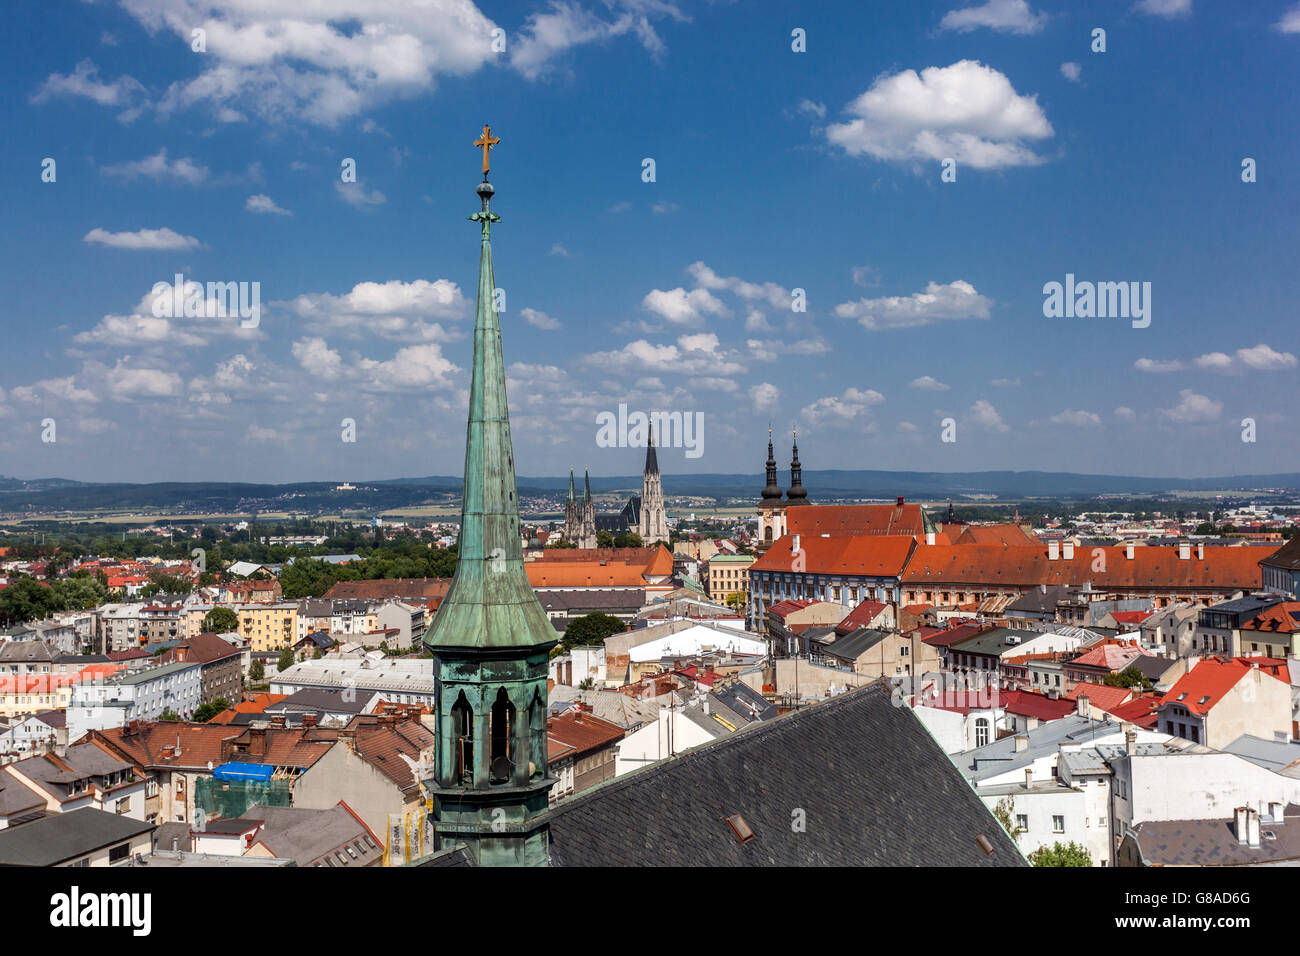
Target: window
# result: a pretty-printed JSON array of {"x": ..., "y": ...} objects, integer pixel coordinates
[
  {"x": 1058, "y": 824},
  {"x": 1022, "y": 821},
  {"x": 119, "y": 853},
  {"x": 981, "y": 731}
]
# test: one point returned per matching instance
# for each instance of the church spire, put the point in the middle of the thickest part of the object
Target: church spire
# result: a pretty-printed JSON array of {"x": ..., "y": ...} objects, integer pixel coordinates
[
  {"x": 571, "y": 495},
  {"x": 586, "y": 481},
  {"x": 490, "y": 638},
  {"x": 651, "y": 459},
  {"x": 771, "y": 490},
  {"x": 796, "y": 495}
]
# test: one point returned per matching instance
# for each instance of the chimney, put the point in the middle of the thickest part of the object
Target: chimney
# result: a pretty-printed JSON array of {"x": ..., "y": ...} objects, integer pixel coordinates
[
  {"x": 1239, "y": 824},
  {"x": 309, "y": 720},
  {"x": 1130, "y": 742},
  {"x": 1067, "y": 550},
  {"x": 1200, "y": 551},
  {"x": 1053, "y": 550},
  {"x": 929, "y": 537},
  {"x": 1184, "y": 550},
  {"x": 1083, "y": 706},
  {"x": 277, "y": 720},
  {"x": 794, "y": 545},
  {"x": 1128, "y": 550},
  {"x": 1252, "y": 828},
  {"x": 900, "y": 501},
  {"x": 1277, "y": 812},
  {"x": 1022, "y": 742},
  {"x": 257, "y": 741}
]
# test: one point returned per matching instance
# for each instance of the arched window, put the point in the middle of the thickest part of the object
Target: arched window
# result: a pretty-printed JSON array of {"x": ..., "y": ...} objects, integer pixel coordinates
[
  {"x": 981, "y": 731},
  {"x": 462, "y": 728},
  {"x": 767, "y": 534},
  {"x": 537, "y": 734},
  {"x": 501, "y": 728}
]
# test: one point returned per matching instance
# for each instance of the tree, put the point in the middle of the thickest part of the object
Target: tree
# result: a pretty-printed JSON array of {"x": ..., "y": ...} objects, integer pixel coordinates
[
  {"x": 629, "y": 540},
  {"x": 257, "y": 672},
  {"x": 736, "y": 599},
  {"x": 80, "y": 592},
  {"x": 286, "y": 659},
  {"x": 591, "y": 629},
  {"x": 604, "y": 539},
  {"x": 1061, "y": 854},
  {"x": 1128, "y": 677},
  {"x": 220, "y": 620},
  {"x": 206, "y": 712},
  {"x": 1003, "y": 812},
  {"x": 28, "y": 599},
  {"x": 168, "y": 714}
]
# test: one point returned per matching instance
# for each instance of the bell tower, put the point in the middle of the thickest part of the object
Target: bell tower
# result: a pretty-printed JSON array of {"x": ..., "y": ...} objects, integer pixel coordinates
[{"x": 490, "y": 638}]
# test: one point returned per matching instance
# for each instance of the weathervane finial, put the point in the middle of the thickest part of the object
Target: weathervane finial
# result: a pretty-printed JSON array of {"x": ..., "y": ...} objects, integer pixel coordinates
[{"x": 485, "y": 142}]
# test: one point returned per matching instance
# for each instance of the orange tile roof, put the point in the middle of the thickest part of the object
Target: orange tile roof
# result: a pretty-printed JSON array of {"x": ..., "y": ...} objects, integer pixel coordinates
[
  {"x": 1008, "y": 534},
  {"x": 864, "y": 555},
  {"x": 860, "y": 616},
  {"x": 251, "y": 704},
  {"x": 1281, "y": 618},
  {"x": 1221, "y": 569},
  {"x": 1207, "y": 684},
  {"x": 582, "y": 732},
  {"x": 855, "y": 520},
  {"x": 1111, "y": 655},
  {"x": 1140, "y": 710}
]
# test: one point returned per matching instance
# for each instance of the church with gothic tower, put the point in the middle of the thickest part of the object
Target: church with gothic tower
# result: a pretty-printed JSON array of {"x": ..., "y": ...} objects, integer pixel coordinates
[{"x": 643, "y": 514}]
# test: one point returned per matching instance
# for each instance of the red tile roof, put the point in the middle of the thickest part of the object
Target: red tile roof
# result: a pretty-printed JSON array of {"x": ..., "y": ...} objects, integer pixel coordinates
[
  {"x": 953, "y": 635},
  {"x": 580, "y": 732},
  {"x": 1111, "y": 655},
  {"x": 1026, "y": 703},
  {"x": 1009, "y": 534},
  {"x": 875, "y": 556},
  {"x": 1101, "y": 696},
  {"x": 860, "y": 616},
  {"x": 1140, "y": 710},
  {"x": 1281, "y": 618}
]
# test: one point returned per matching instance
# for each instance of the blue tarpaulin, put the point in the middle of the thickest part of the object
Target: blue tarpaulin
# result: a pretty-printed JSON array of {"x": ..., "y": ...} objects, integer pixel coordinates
[{"x": 243, "y": 771}]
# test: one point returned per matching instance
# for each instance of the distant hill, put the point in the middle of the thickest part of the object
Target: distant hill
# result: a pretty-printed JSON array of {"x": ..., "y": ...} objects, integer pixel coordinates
[{"x": 206, "y": 497}]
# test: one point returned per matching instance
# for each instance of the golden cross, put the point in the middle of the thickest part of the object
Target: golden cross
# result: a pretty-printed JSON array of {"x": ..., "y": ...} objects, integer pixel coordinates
[{"x": 486, "y": 141}]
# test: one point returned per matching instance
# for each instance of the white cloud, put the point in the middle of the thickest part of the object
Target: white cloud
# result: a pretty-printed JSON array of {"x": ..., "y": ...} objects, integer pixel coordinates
[
  {"x": 158, "y": 168},
  {"x": 1290, "y": 21},
  {"x": 714, "y": 384},
  {"x": 260, "y": 433},
  {"x": 756, "y": 321},
  {"x": 847, "y": 407},
  {"x": 1072, "y": 72},
  {"x": 776, "y": 296},
  {"x": 769, "y": 350},
  {"x": 1193, "y": 408},
  {"x": 929, "y": 384},
  {"x": 559, "y": 250},
  {"x": 355, "y": 195},
  {"x": 548, "y": 35},
  {"x": 1008, "y": 16},
  {"x": 866, "y": 276},
  {"x": 662, "y": 208},
  {"x": 692, "y": 355},
  {"x": 126, "y": 383},
  {"x": 173, "y": 329},
  {"x": 142, "y": 239},
  {"x": 539, "y": 320},
  {"x": 415, "y": 366},
  {"x": 764, "y": 396},
  {"x": 1168, "y": 9},
  {"x": 265, "y": 204},
  {"x": 392, "y": 310},
  {"x": 1125, "y": 414},
  {"x": 319, "y": 63},
  {"x": 984, "y": 415},
  {"x": 955, "y": 300},
  {"x": 53, "y": 388},
  {"x": 1258, "y": 358},
  {"x": 1075, "y": 418},
  {"x": 84, "y": 81},
  {"x": 1158, "y": 365},
  {"x": 812, "y": 109},
  {"x": 680, "y": 307},
  {"x": 317, "y": 358},
  {"x": 966, "y": 111}
]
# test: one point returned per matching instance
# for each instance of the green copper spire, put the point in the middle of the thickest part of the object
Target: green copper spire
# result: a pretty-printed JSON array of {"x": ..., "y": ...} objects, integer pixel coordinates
[
  {"x": 490, "y": 603},
  {"x": 571, "y": 495}
]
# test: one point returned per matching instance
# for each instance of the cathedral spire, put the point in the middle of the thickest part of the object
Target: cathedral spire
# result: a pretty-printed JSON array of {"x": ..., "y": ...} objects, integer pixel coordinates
[
  {"x": 796, "y": 495},
  {"x": 586, "y": 480},
  {"x": 651, "y": 459},
  {"x": 571, "y": 495}
]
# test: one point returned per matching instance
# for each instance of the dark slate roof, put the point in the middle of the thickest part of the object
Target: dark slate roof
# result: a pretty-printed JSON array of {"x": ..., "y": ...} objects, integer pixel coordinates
[
  {"x": 1214, "y": 842},
  {"x": 876, "y": 788},
  {"x": 1286, "y": 557},
  {"x": 65, "y": 836},
  {"x": 322, "y": 700},
  {"x": 1152, "y": 667},
  {"x": 854, "y": 644},
  {"x": 456, "y": 855}
]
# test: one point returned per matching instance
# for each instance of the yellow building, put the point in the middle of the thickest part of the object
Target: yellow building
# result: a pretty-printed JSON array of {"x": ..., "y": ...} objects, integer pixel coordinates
[
  {"x": 268, "y": 627},
  {"x": 725, "y": 574}
]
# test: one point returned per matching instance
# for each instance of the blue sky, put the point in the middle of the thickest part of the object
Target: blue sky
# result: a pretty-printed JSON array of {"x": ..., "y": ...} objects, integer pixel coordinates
[{"x": 775, "y": 170}]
